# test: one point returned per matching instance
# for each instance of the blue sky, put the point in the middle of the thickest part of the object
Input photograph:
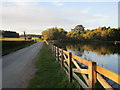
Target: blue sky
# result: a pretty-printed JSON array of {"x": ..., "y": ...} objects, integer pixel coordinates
[{"x": 34, "y": 17}]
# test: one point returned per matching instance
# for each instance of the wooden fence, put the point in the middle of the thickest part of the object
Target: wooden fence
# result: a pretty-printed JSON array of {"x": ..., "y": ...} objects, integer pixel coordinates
[{"x": 91, "y": 72}]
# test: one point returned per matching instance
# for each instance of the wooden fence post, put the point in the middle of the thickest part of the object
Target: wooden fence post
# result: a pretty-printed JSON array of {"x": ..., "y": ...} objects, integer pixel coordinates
[
  {"x": 57, "y": 53},
  {"x": 62, "y": 58},
  {"x": 92, "y": 75},
  {"x": 69, "y": 66},
  {"x": 52, "y": 47}
]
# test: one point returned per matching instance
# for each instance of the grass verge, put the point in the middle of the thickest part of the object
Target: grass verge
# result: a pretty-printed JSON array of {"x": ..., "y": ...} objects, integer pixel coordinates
[
  {"x": 49, "y": 73},
  {"x": 15, "y": 48}
]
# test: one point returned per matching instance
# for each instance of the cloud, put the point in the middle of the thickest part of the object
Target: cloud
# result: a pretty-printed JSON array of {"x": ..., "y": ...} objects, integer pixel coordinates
[
  {"x": 85, "y": 11},
  {"x": 36, "y": 18},
  {"x": 61, "y": 0},
  {"x": 58, "y": 3},
  {"x": 100, "y": 16},
  {"x": 30, "y": 18}
]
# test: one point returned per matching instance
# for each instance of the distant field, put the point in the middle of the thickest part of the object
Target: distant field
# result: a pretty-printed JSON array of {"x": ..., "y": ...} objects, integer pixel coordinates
[
  {"x": 16, "y": 39},
  {"x": 12, "y": 44},
  {"x": 35, "y": 38},
  {"x": 12, "y": 39}
]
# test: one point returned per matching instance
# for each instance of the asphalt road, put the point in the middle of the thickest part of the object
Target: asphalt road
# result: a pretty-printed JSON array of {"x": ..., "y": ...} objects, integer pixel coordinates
[{"x": 18, "y": 67}]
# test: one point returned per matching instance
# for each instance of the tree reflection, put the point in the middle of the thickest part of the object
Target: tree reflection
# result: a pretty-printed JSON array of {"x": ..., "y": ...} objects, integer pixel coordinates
[{"x": 99, "y": 48}]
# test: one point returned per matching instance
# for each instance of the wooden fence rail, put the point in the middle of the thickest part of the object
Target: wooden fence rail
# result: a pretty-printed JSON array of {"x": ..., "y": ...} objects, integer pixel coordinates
[{"x": 91, "y": 72}]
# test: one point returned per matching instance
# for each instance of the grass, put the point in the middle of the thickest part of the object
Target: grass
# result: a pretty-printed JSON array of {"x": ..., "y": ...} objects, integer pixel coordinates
[
  {"x": 16, "y": 39},
  {"x": 49, "y": 73},
  {"x": 35, "y": 38},
  {"x": 7, "y": 48},
  {"x": 12, "y": 39}
]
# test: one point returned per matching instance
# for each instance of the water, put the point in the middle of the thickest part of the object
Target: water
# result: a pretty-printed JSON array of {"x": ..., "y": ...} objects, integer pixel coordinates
[{"x": 104, "y": 54}]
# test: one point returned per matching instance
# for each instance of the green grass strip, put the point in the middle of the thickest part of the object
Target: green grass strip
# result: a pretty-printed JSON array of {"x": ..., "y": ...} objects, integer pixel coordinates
[
  {"x": 12, "y": 49},
  {"x": 49, "y": 73}
]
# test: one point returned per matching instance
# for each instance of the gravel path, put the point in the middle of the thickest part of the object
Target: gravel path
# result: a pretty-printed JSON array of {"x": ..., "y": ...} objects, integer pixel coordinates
[{"x": 18, "y": 67}]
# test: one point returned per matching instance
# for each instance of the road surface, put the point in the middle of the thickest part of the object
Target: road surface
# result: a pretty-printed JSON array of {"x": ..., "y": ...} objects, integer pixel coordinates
[{"x": 18, "y": 67}]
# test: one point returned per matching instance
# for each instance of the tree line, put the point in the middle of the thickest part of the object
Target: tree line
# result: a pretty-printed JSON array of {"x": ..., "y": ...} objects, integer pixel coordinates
[
  {"x": 54, "y": 34},
  {"x": 9, "y": 34},
  {"x": 13, "y": 34},
  {"x": 79, "y": 33}
]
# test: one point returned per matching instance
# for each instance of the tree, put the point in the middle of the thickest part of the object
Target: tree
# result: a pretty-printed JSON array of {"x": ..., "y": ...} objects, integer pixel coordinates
[
  {"x": 78, "y": 28},
  {"x": 69, "y": 34},
  {"x": 113, "y": 34},
  {"x": 10, "y": 34},
  {"x": 54, "y": 33}
]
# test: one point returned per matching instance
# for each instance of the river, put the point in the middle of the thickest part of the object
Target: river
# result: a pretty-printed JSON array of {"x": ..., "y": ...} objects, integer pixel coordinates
[{"x": 106, "y": 55}]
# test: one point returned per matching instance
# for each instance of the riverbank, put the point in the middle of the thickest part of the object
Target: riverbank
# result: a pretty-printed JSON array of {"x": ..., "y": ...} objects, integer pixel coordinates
[
  {"x": 83, "y": 41},
  {"x": 49, "y": 73}
]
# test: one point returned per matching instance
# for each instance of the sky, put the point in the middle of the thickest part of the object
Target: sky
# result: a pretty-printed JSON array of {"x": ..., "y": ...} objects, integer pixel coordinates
[{"x": 34, "y": 17}]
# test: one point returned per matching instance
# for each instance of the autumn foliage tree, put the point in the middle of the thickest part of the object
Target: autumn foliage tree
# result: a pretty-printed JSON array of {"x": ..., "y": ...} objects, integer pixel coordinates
[
  {"x": 101, "y": 33},
  {"x": 54, "y": 33},
  {"x": 79, "y": 33}
]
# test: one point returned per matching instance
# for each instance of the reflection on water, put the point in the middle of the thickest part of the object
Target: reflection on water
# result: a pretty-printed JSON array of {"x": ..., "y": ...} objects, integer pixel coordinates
[{"x": 106, "y": 55}]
